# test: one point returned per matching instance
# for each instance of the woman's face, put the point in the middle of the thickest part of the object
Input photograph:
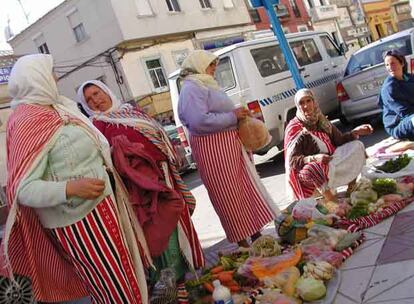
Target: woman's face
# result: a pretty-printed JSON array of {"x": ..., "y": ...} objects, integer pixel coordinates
[
  {"x": 307, "y": 106},
  {"x": 211, "y": 69},
  {"x": 97, "y": 99},
  {"x": 394, "y": 67}
]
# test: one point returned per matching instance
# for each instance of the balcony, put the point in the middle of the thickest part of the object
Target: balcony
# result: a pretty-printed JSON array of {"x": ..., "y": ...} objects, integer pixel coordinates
[
  {"x": 281, "y": 11},
  {"x": 325, "y": 12}
]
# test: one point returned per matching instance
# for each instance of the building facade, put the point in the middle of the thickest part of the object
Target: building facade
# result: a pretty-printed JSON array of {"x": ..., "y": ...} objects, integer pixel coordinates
[
  {"x": 131, "y": 45},
  {"x": 292, "y": 14},
  {"x": 379, "y": 18},
  {"x": 351, "y": 23},
  {"x": 401, "y": 13}
]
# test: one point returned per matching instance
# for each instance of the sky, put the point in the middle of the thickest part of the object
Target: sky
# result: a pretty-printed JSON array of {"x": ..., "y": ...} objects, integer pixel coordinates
[{"x": 11, "y": 8}]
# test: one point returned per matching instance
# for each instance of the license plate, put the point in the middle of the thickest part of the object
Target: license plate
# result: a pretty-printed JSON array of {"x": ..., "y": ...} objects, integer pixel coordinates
[{"x": 371, "y": 85}]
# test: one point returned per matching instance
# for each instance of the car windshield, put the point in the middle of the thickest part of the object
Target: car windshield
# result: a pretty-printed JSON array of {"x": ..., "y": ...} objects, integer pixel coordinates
[{"x": 374, "y": 55}]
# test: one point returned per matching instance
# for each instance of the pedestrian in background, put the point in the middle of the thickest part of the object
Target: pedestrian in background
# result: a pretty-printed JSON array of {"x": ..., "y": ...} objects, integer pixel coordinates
[
  {"x": 235, "y": 190},
  {"x": 148, "y": 164},
  {"x": 396, "y": 97},
  {"x": 65, "y": 230}
]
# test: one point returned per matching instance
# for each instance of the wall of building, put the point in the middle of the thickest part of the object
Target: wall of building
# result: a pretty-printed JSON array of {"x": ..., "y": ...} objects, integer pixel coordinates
[
  {"x": 379, "y": 18},
  {"x": 134, "y": 67},
  {"x": 191, "y": 17},
  {"x": 291, "y": 22}
]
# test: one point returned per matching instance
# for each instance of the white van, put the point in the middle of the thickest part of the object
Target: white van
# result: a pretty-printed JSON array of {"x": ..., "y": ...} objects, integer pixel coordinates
[{"x": 255, "y": 73}]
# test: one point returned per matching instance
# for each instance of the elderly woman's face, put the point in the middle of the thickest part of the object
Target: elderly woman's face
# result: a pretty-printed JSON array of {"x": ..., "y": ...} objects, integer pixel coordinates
[
  {"x": 97, "y": 99},
  {"x": 211, "y": 69},
  {"x": 394, "y": 67},
  {"x": 307, "y": 106}
]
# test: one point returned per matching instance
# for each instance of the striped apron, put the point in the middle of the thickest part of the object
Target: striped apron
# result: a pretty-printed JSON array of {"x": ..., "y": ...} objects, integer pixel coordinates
[
  {"x": 95, "y": 247},
  {"x": 235, "y": 194}
]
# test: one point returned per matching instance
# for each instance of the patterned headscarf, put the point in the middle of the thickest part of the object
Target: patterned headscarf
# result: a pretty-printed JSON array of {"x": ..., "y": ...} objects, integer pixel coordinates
[
  {"x": 317, "y": 121},
  {"x": 194, "y": 68}
]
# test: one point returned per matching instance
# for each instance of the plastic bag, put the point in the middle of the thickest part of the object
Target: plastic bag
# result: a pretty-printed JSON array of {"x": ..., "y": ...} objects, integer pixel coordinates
[
  {"x": 165, "y": 291},
  {"x": 331, "y": 235},
  {"x": 305, "y": 210},
  {"x": 315, "y": 254},
  {"x": 260, "y": 268},
  {"x": 285, "y": 280},
  {"x": 253, "y": 134}
]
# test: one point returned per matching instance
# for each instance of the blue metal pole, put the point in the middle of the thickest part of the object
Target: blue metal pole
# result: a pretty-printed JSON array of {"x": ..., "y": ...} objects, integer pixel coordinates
[{"x": 277, "y": 30}]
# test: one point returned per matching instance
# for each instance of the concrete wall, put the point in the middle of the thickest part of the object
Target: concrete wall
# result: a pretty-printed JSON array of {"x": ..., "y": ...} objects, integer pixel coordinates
[
  {"x": 191, "y": 17},
  {"x": 133, "y": 65}
]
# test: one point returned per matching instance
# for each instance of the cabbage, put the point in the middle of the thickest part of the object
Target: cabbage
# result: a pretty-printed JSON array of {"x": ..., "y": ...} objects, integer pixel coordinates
[
  {"x": 310, "y": 289},
  {"x": 265, "y": 246}
]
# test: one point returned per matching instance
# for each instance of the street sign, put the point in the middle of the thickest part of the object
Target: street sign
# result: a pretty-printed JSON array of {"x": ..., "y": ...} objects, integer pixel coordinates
[
  {"x": 5, "y": 74},
  {"x": 259, "y": 3}
]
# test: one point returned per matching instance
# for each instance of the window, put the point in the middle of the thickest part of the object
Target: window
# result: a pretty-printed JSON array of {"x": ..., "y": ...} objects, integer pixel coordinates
[
  {"x": 173, "y": 6},
  {"x": 331, "y": 48},
  {"x": 41, "y": 45},
  {"x": 144, "y": 8},
  {"x": 374, "y": 55},
  {"x": 254, "y": 14},
  {"x": 302, "y": 28},
  {"x": 205, "y": 3},
  {"x": 310, "y": 3},
  {"x": 295, "y": 8},
  {"x": 156, "y": 72},
  {"x": 269, "y": 60},
  {"x": 77, "y": 25},
  {"x": 305, "y": 52},
  {"x": 224, "y": 74}
]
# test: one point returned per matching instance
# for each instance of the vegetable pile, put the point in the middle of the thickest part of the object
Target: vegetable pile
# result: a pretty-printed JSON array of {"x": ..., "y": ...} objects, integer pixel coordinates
[{"x": 395, "y": 165}]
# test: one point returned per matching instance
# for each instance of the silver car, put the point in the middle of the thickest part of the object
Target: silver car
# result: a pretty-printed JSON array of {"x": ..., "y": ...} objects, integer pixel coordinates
[{"x": 365, "y": 72}]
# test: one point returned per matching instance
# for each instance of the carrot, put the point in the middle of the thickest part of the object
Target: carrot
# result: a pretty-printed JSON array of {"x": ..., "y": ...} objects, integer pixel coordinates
[
  {"x": 208, "y": 286},
  {"x": 234, "y": 288},
  {"x": 225, "y": 276},
  {"x": 217, "y": 269}
]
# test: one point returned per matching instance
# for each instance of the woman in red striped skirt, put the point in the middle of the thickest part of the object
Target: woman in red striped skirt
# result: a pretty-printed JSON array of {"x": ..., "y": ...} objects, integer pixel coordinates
[
  {"x": 65, "y": 230},
  {"x": 235, "y": 190}
]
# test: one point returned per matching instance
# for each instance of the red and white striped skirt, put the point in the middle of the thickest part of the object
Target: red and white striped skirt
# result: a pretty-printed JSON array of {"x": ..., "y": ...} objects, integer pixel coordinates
[
  {"x": 313, "y": 176},
  {"x": 96, "y": 248},
  {"x": 239, "y": 204}
]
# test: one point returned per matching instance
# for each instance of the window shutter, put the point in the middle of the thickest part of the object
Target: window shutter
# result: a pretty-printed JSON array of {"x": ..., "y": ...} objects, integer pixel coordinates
[
  {"x": 144, "y": 8},
  {"x": 228, "y": 3}
]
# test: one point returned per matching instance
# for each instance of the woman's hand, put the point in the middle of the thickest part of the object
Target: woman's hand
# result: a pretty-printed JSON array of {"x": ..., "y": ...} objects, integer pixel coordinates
[
  {"x": 319, "y": 158},
  {"x": 362, "y": 130},
  {"x": 87, "y": 188},
  {"x": 242, "y": 113}
]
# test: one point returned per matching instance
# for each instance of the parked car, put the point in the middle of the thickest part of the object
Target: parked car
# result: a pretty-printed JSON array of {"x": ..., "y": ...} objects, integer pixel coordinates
[
  {"x": 185, "y": 157},
  {"x": 255, "y": 73},
  {"x": 365, "y": 72}
]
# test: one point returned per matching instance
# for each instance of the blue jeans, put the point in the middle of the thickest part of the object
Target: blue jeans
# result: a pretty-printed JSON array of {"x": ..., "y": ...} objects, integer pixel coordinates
[{"x": 404, "y": 129}]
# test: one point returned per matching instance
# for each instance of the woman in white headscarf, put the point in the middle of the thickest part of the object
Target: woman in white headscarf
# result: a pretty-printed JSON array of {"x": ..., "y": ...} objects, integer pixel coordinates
[
  {"x": 147, "y": 162},
  {"x": 236, "y": 192},
  {"x": 318, "y": 156},
  {"x": 65, "y": 229}
]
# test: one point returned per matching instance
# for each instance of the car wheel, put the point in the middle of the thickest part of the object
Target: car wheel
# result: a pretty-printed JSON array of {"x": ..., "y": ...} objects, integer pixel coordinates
[{"x": 20, "y": 293}]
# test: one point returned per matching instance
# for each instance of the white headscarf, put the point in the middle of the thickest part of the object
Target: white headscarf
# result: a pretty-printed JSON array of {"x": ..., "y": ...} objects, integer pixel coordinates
[
  {"x": 116, "y": 103},
  {"x": 194, "y": 68},
  {"x": 31, "y": 82}
]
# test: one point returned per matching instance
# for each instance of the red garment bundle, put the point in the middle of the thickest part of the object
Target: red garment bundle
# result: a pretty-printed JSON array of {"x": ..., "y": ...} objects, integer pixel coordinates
[{"x": 158, "y": 207}]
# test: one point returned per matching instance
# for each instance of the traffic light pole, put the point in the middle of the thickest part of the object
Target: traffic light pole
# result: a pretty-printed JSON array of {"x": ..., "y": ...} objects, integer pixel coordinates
[{"x": 277, "y": 30}]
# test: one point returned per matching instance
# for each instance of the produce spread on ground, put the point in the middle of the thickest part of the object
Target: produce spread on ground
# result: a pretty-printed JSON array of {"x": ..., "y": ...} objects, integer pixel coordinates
[{"x": 314, "y": 238}]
